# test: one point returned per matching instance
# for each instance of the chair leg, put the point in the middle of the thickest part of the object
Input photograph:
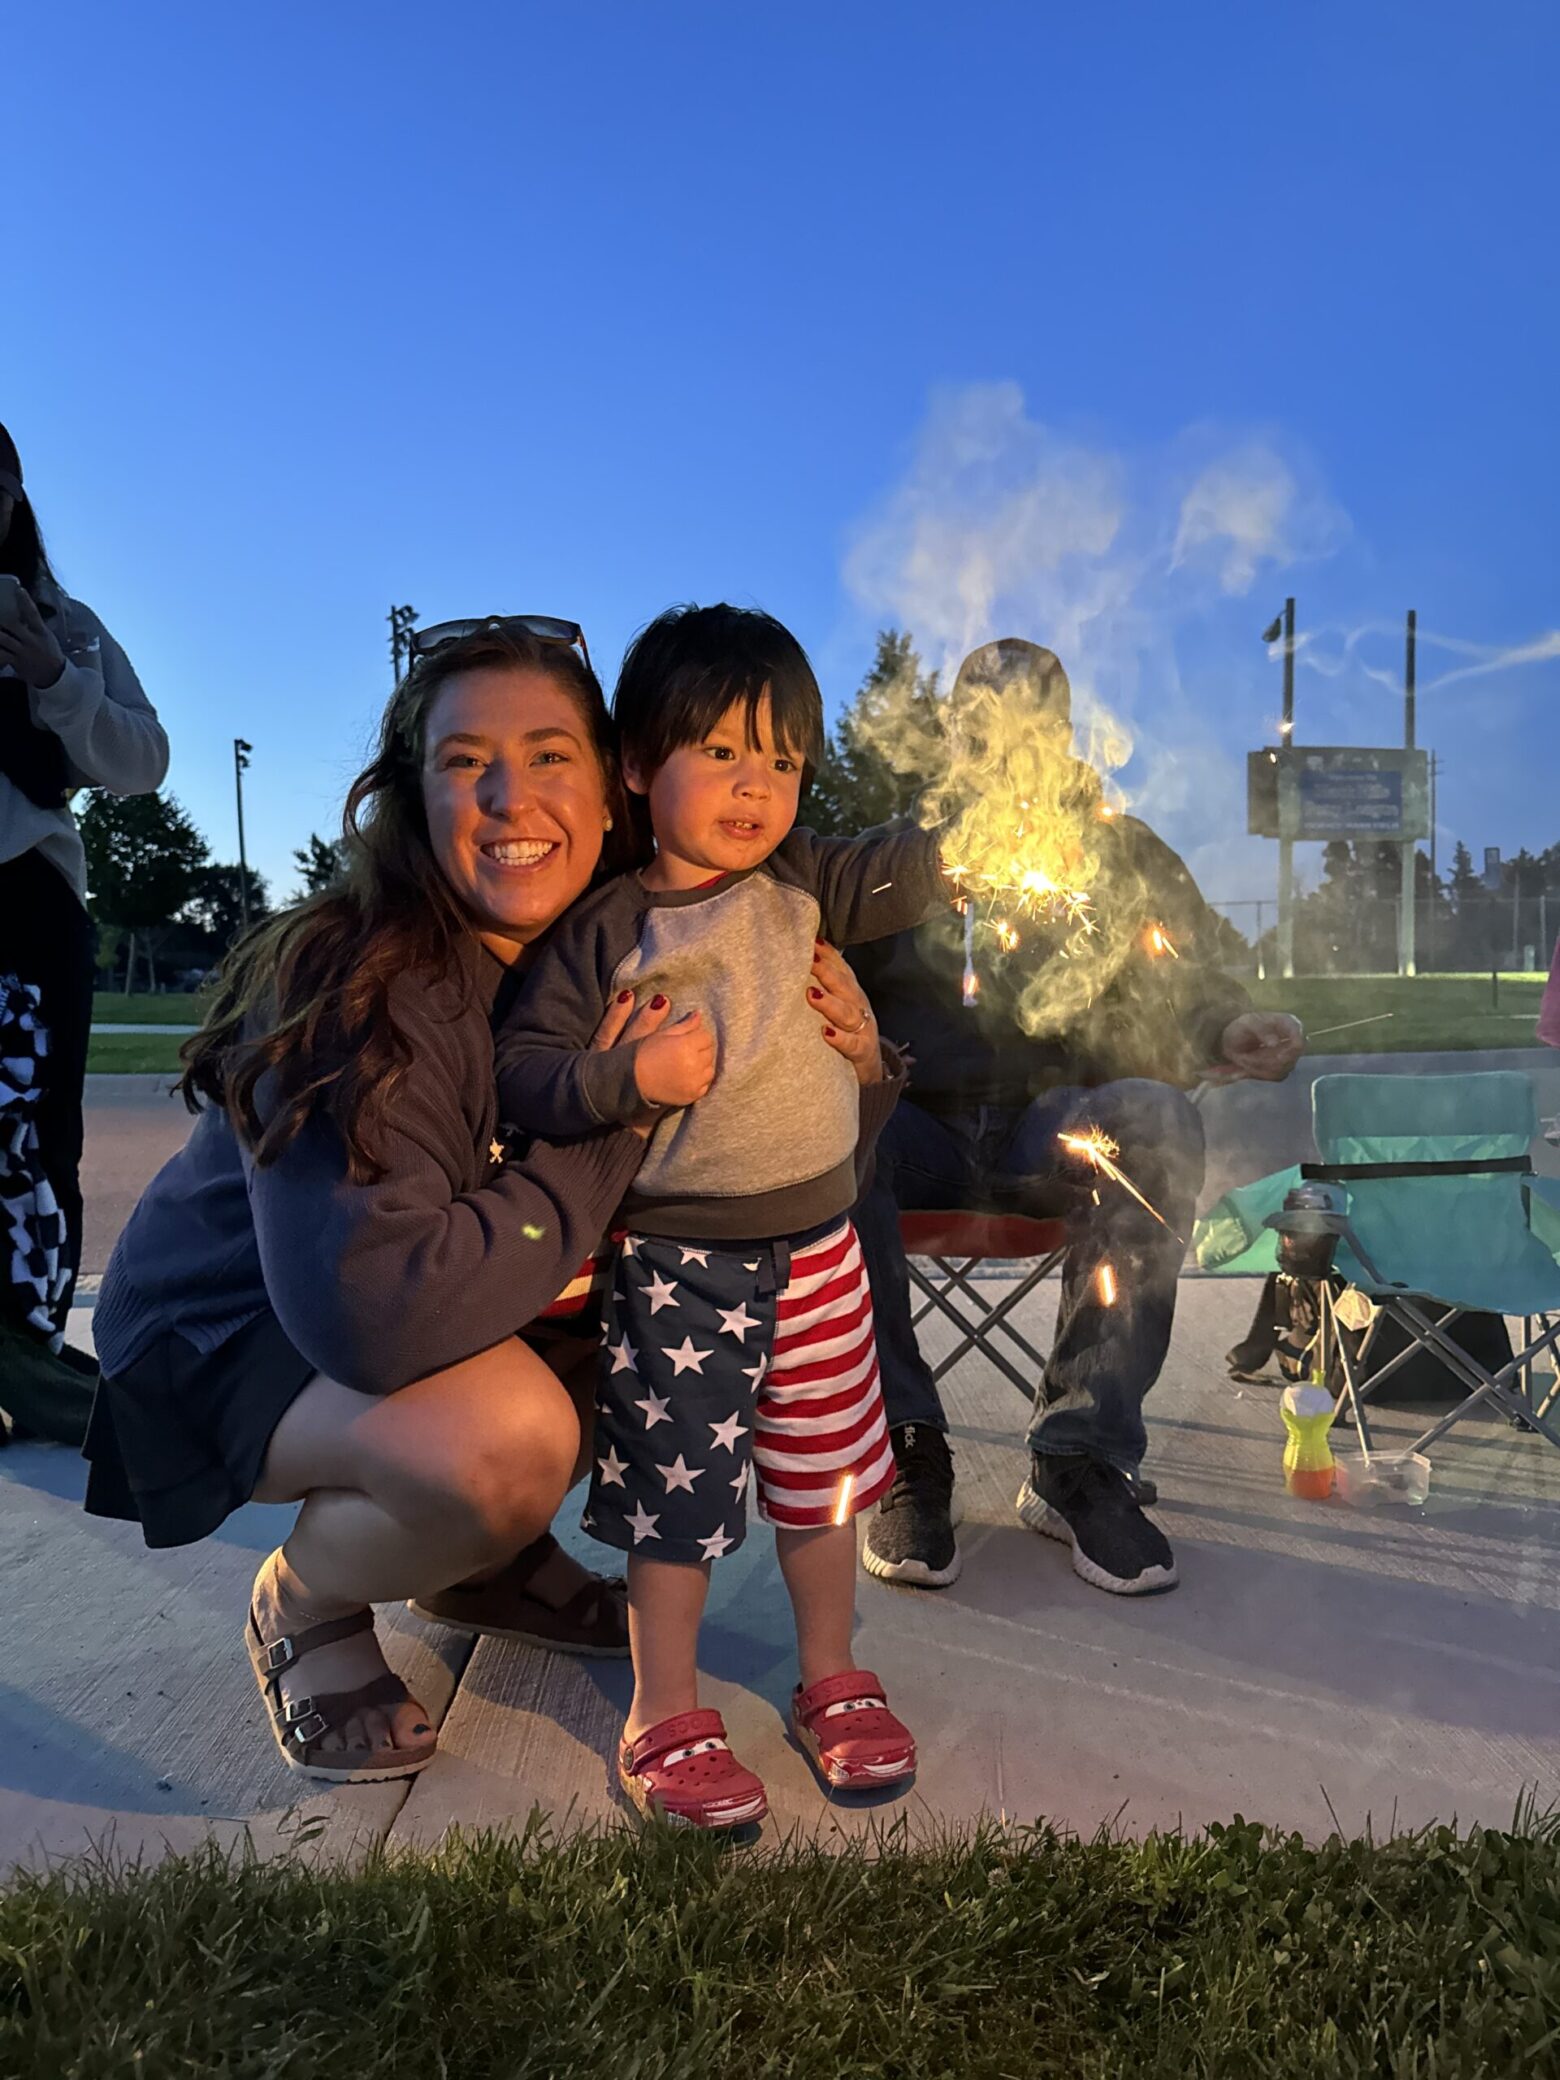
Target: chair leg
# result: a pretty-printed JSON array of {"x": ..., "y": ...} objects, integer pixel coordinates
[
  {"x": 979, "y": 1333},
  {"x": 1352, "y": 1394},
  {"x": 1482, "y": 1385}
]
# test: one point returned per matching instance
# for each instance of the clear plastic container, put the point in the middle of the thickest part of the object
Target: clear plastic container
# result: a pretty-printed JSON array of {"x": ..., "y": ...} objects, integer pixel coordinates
[{"x": 1384, "y": 1477}]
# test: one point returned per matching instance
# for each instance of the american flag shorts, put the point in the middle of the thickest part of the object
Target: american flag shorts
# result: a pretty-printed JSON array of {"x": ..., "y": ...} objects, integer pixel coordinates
[{"x": 726, "y": 1363}]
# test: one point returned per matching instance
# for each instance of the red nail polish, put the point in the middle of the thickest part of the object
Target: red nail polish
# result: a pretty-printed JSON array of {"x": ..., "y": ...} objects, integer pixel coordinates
[
  {"x": 816, "y": 995},
  {"x": 658, "y": 1003},
  {"x": 828, "y": 1032},
  {"x": 625, "y": 996}
]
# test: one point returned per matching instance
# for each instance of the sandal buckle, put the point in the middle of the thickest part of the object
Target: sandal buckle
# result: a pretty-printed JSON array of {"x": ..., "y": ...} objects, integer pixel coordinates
[
  {"x": 279, "y": 1654},
  {"x": 309, "y": 1729},
  {"x": 297, "y": 1708}
]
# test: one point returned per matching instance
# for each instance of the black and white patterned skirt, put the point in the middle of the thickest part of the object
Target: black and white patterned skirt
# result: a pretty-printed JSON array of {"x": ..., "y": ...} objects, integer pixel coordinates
[{"x": 33, "y": 1268}]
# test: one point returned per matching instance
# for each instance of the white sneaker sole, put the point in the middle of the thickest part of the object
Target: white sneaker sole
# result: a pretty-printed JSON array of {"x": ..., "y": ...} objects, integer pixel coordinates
[
  {"x": 916, "y": 1572},
  {"x": 1038, "y": 1514}
]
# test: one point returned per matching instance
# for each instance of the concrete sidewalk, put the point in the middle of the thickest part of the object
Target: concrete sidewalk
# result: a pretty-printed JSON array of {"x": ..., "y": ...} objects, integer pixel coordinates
[{"x": 1390, "y": 1667}]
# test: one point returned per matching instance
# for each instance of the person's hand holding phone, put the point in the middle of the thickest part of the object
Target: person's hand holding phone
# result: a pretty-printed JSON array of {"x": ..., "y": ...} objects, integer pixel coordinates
[{"x": 26, "y": 644}]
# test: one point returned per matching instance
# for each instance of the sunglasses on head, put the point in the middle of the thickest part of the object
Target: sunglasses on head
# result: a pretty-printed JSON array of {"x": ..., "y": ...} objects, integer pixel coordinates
[{"x": 545, "y": 627}]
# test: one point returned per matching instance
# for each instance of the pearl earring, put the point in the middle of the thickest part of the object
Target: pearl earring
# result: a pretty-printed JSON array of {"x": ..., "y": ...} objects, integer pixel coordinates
[{"x": 606, "y": 824}]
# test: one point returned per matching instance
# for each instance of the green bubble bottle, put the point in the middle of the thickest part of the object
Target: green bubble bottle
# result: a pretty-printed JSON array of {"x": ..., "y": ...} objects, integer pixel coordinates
[{"x": 1308, "y": 1459}]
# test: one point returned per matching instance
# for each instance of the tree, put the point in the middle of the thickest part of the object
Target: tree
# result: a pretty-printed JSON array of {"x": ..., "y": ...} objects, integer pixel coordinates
[
  {"x": 856, "y": 785},
  {"x": 322, "y": 864},
  {"x": 143, "y": 857},
  {"x": 216, "y": 907}
]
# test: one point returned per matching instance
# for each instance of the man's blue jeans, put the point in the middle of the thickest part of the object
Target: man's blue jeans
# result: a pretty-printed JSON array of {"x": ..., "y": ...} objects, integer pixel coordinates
[{"x": 1104, "y": 1359}]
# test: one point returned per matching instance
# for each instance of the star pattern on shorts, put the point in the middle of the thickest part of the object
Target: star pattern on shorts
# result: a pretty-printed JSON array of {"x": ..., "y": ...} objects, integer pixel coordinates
[
  {"x": 696, "y": 1256},
  {"x": 659, "y": 1293},
  {"x": 613, "y": 1469},
  {"x": 755, "y": 1372},
  {"x": 739, "y": 1485},
  {"x": 716, "y": 1544},
  {"x": 680, "y": 1474},
  {"x": 685, "y": 1358},
  {"x": 643, "y": 1524},
  {"x": 654, "y": 1406},
  {"x": 736, "y": 1321},
  {"x": 727, "y": 1433},
  {"x": 624, "y": 1357}
]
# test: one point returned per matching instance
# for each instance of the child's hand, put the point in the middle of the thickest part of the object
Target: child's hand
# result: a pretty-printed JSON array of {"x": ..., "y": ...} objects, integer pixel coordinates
[{"x": 676, "y": 1065}]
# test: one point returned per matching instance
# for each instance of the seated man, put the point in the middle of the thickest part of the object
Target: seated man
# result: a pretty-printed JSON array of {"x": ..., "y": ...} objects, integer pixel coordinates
[{"x": 978, "y": 1131}]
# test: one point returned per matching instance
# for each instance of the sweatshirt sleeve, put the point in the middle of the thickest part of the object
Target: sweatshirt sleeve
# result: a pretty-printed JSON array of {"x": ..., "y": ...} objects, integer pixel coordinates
[
  {"x": 96, "y": 708},
  {"x": 550, "y": 1080},
  {"x": 381, "y": 1284},
  {"x": 877, "y": 1102},
  {"x": 868, "y": 887},
  {"x": 1201, "y": 996}
]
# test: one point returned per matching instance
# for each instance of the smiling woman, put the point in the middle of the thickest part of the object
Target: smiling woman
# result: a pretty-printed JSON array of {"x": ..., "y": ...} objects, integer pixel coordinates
[
  {"x": 513, "y": 872},
  {"x": 319, "y": 1298}
]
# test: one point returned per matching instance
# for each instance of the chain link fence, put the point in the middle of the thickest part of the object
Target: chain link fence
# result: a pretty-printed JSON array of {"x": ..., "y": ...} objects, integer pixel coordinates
[{"x": 1338, "y": 932}]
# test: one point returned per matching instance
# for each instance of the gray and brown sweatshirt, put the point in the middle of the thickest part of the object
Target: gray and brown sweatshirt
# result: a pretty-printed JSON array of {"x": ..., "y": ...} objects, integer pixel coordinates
[{"x": 770, "y": 1150}]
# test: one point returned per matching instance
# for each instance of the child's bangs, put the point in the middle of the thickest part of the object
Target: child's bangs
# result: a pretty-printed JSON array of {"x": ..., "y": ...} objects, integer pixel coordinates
[{"x": 793, "y": 714}]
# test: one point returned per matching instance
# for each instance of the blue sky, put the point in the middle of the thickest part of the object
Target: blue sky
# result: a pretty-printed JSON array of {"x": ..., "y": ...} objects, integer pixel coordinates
[{"x": 1110, "y": 324}]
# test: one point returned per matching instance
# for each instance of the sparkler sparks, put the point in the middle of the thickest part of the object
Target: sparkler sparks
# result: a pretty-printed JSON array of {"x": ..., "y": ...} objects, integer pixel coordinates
[
  {"x": 842, "y": 1506},
  {"x": 1096, "y": 1148},
  {"x": 971, "y": 979},
  {"x": 1107, "y": 1286},
  {"x": 1161, "y": 943}
]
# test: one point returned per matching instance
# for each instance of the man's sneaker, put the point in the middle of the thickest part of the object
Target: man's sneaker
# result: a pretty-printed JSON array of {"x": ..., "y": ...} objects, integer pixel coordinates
[
  {"x": 1099, "y": 1512},
  {"x": 910, "y": 1537}
]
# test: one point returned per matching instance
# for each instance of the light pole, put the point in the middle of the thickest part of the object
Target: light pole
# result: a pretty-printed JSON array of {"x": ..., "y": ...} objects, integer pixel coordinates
[
  {"x": 1410, "y": 847},
  {"x": 1284, "y": 625},
  {"x": 402, "y": 621},
  {"x": 241, "y": 752}
]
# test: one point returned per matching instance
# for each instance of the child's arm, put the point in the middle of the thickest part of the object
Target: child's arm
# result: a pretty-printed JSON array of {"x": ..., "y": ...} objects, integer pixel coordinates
[
  {"x": 549, "y": 1080},
  {"x": 552, "y": 1082},
  {"x": 868, "y": 887}
]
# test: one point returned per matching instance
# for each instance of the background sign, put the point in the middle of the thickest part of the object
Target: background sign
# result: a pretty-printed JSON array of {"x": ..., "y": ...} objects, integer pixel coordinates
[
  {"x": 1342, "y": 804},
  {"x": 1314, "y": 792}
]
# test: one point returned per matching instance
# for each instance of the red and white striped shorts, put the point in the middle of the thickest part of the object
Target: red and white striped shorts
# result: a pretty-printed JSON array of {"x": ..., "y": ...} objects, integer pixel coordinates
[{"x": 820, "y": 1438}]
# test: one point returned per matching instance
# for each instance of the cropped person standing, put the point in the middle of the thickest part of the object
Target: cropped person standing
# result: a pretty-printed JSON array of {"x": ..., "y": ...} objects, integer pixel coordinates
[{"x": 72, "y": 715}]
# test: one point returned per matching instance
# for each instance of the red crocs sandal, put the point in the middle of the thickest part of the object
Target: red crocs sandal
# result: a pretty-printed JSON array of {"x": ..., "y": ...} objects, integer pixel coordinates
[
  {"x": 682, "y": 1771},
  {"x": 845, "y": 1729}
]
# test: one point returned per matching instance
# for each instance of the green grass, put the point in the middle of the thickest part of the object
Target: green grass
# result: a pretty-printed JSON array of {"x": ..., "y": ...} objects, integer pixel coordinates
[
  {"x": 120, "y": 1054},
  {"x": 1454, "y": 1012},
  {"x": 1029, "y": 1955},
  {"x": 112, "y": 1007}
]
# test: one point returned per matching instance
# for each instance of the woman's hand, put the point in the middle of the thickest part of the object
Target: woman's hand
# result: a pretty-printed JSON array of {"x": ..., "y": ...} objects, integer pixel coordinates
[
  {"x": 27, "y": 645},
  {"x": 686, "y": 1058},
  {"x": 848, "y": 1024}
]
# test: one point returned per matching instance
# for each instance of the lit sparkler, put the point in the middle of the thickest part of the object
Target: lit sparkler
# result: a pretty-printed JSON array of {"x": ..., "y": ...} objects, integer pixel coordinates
[
  {"x": 971, "y": 979},
  {"x": 1097, "y": 1149},
  {"x": 1161, "y": 943},
  {"x": 1107, "y": 1286},
  {"x": 842, "y": 1506}
]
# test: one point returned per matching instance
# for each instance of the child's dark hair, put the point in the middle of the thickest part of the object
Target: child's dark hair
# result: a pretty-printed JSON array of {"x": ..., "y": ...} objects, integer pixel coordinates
[{"x": 690, "y": 665}]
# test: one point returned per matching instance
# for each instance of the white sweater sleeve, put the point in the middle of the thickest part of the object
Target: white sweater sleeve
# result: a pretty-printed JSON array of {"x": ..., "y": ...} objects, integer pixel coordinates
[{"x": 98, "y": 711}]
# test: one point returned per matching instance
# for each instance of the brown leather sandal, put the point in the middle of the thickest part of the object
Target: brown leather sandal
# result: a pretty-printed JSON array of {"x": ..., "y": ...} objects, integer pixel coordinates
[
  {"x": 593, "y": 1621},
  {"x": 301, "y": 1724}
]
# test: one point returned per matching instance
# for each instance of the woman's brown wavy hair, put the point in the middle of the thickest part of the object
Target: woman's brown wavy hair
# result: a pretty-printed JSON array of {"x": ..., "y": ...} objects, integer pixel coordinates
[{"x": 304, "y": 999}]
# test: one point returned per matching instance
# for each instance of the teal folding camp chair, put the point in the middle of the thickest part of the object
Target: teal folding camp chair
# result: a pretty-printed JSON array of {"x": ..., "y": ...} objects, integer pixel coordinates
[{"x": 1443, "y": 1216}]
